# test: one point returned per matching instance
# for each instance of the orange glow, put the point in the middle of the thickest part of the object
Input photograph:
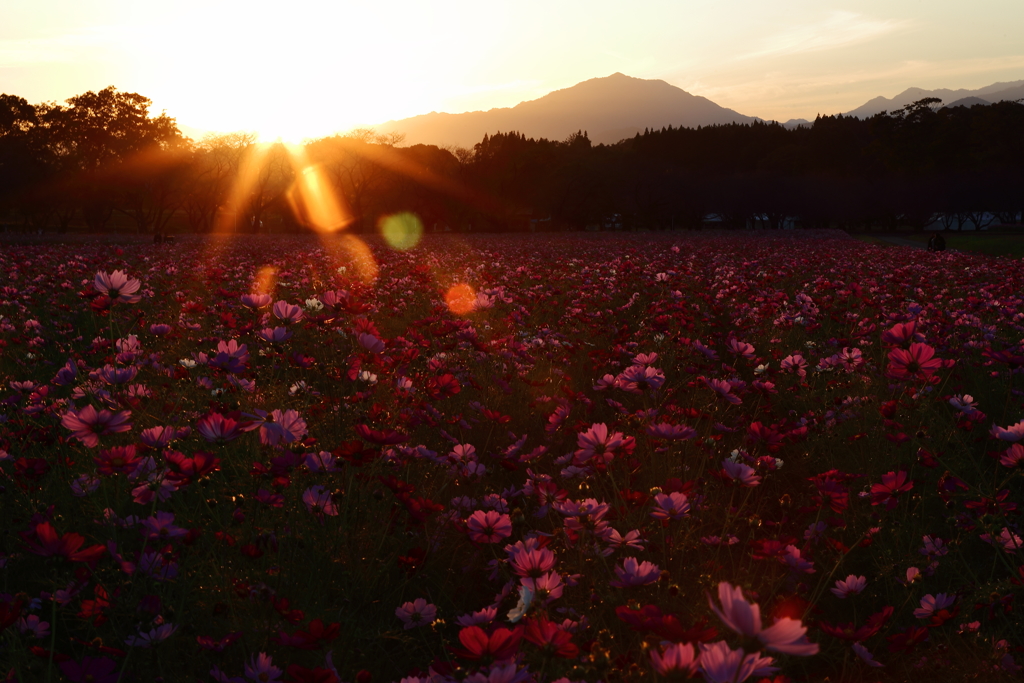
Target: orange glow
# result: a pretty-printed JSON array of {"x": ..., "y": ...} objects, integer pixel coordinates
[
  {"x": 460, "y": 299},
  {"x": 312, "y": 199},
  {"x": 265, "y": 281},
  {"x": 358, "y": 254},
  {"x": 235, "y": 208}
]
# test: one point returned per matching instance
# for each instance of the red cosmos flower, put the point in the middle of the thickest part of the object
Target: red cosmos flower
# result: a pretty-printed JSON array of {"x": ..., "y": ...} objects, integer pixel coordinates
[
  {"x": 185, "y": 470},
  {"x": 384, "y": 438},
  {"x": 117, "y": 460},
  {"x": 902, "y": 334},
  {"x": 908, "y": 640},
  {"x": 442, "y": 387},
  {"x": 48, "y": 544},
  {"x": 500, "y": 644},
  {"x": 847, "y": 632},
  {"x": 10, "y": 612},
  {"x": 893, "y": 484},
  {"x": 88, "y": 425},
  {"x": 550, "y": 637},
  {"x": 219, "y": 429},
  {"x": 917, "y": 362},
  {"x": 316, "y": 637}
]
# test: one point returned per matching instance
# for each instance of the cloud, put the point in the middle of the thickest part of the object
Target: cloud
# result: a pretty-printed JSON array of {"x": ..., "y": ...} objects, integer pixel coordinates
[{"x": 839, "y": 29}]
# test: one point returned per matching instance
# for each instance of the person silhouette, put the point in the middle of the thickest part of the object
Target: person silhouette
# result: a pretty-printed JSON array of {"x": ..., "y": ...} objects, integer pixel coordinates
[{"x": 936, "y": 242}]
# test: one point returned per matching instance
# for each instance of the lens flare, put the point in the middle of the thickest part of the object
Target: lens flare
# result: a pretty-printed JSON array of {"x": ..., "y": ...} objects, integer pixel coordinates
[
  {"x": 312, "y": 198},
  {"x": 265, "y": 280},
  {"x": 358, "y": 254},
  {"x": 460, "y": 299},
  {"x": 401, "y": 230}
]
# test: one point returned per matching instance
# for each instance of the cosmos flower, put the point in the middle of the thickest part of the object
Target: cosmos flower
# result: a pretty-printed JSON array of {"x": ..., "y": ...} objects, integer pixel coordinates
[{"x": 118, "y": 286}]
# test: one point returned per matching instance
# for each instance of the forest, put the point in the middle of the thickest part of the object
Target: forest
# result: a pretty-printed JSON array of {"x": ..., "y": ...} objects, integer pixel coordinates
[{"x": 103, "y": 162}]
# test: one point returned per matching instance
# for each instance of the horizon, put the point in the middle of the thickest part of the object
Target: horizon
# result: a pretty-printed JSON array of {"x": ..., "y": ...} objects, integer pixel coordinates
[{"x": 305, "y": 72}]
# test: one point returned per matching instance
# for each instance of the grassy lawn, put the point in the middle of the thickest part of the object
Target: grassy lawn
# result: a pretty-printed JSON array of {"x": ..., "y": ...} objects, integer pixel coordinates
[{"x": 992, "y": 244}]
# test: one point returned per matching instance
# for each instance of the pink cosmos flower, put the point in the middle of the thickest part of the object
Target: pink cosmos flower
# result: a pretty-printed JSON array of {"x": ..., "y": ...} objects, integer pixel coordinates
[
  {"x": 917, "y": 362},
  {"x": 152, "y": 637},
  {"x": 596, "y": 441},
  {"x": 742, "y": 349},
  {"x": 489, "y": 526},
  {"x": 261, "y": 669},
  {"x": 115, "y": 375},
  {"x": 526, "y": 561},
  {"x": 160, "y": 527},
  {"x": 277, "y": 426},
  {"x": 276, "y": 335},
  {"x": 255, "y": 301},
  {"x": 670, "y": 506},
  {"x": 675, "y": 659},
  {"x": 1012, "y": 433},
  {"x": 850, "y": 586},
  {"x": 638, "y": 378},
  {"x": 319, "y": 502},
  {"x": 287, "y": 313},
  {"x": 930, "y": 604},
  {"x": 118, "y": 286},
  {"x": 1010, "y": 541},
  {"x": 724, "y": 389},
  {"x": 721, "y": 664},
  {"x": 159, "y": 329},
  {"x": 796, "y": 561},
  {"x": 964, "y": 403},
  {"x": 795, "y": 364},
  {"x": 865, "y": 655},
  {"x": 416, "y": 613},
  {"x": 633, "y": 573},
  {"x": 787, "y": 636},
  {"x": 740, "y": 473},
  {"x": 484, "y": 616},
  {"x": 370, "y": 343},
  {"x": 851, "y": 359},
  {"x": 88, "y": 425},
  {"x": 1013, "y": 457},
  {"x": 671, "y": 432}
]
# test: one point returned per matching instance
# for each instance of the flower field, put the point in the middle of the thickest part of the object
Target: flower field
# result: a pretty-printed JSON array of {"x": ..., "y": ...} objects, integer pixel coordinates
[{"x": 498, "y": 459}]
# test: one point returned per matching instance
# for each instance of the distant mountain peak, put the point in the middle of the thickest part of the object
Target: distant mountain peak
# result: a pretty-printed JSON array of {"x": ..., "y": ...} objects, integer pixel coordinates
[{"x": 611, "y": 108}]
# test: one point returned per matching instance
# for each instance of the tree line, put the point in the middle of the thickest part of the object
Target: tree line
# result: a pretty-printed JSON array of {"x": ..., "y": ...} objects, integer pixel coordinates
[{"x": 78, "y": 165}]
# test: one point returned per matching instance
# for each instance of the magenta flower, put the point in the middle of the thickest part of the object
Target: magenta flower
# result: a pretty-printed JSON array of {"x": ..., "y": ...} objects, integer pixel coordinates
[
  {"x": 370, "y": 343},
  {"x": 633, "y": 573},
  {"x": 159, "y": 329},
  {"x": 850, "y": 586},
  {"x": 488, "y": 527},
  {"x": 786, "y": 635},
  {"x": 160, "y": 527},
  {"x": 118, "y": 286},
  {"x": 114, "y": 375},
  {"x": 721, "y": 664},
  {"x": 219, "y": 429},
  {"x": 917, "y": 362},
  {"x": 88, "y": 425},
  {"x": 416, "y": 613},
  {"x": 277, "y": 426},
  {"x": 887, "y": 493},
  {"x": 287, "y": 313},
  {"x": 675, "y": 659}
]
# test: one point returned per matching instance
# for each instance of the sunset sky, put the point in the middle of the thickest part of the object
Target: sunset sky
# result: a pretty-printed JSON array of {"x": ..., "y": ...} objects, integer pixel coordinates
[{"x": 303, "y": 69}]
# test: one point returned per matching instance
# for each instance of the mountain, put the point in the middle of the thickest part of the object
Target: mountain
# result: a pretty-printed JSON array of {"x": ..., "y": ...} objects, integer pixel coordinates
[
  {"x": 609, "y": 109},
  {"x": 996, "y": 92}
]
